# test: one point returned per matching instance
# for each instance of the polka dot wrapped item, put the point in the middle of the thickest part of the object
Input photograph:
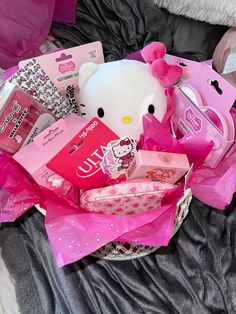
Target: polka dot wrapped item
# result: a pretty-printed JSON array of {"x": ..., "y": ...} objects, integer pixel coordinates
[
  {"x": 124, "y": 251},
  {"x": 127, "y": 198}
]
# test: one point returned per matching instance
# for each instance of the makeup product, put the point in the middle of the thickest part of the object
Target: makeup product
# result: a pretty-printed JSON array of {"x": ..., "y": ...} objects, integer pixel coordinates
[
  {"x": 158, "y": 166},
  {"x": 21, "y": 118}
]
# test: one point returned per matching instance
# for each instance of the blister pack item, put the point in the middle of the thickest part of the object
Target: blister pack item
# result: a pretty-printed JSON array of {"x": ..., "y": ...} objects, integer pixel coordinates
[
  {"x": 34, "y": 157},
  {"x": 21, "y": 118},
  {"x": 199, "y": 110},
  {"x": 33, "y": 79},
  {"x": 80, "y": 159},
  {"x": 126, "y": 198},
  {"x": 62, "y": 68}
]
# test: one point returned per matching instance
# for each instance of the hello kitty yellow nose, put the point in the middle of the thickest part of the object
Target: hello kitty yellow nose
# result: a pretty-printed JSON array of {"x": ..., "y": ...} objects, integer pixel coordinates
[{"x": 126, "y": 120}]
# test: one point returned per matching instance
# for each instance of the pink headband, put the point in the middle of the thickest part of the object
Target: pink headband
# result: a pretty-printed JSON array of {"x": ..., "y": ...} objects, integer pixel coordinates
[{"x": 167, "y": 74}]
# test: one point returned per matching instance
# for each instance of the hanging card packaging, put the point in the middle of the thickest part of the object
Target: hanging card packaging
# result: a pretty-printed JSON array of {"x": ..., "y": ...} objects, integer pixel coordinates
[
  {"x": 80, "y": 160},
  {"x": 62, "y": 68},
  {"x": 34, "y": 80},
  {"x": 203, "y": 103},
  {"x": 34, "y": 156}
]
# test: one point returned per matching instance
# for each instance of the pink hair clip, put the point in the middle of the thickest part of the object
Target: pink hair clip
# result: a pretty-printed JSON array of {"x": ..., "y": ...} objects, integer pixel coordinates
[{"x": 167, "y": 74}]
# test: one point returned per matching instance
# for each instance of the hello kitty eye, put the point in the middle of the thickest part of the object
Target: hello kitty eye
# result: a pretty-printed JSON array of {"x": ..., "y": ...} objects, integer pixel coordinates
[
  {"x": 151, "y": 109},
  {"x": 100, "y": 113}
]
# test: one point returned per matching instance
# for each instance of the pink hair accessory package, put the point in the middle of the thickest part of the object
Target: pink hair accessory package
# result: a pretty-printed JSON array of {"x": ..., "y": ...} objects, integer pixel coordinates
[
  {"x": 62, "y": 67},
  {"x": 158, "y": 166},
  {"x": 126, "y": 198},
  {"x": 199, "y": 110},
  {"x": 35, "y": 156}
]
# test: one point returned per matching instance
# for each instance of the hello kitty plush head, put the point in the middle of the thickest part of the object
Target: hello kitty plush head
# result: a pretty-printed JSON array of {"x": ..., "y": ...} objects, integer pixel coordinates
[{"x": 121, "y": 92}]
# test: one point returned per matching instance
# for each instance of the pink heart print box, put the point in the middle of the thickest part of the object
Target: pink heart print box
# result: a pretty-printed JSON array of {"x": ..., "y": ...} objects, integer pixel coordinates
[{"x": 126, "y": 198}]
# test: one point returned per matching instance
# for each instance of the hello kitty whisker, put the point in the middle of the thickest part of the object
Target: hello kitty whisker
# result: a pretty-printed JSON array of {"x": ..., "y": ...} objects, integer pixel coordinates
[
  {"x": 82, "y": 105},
  {"x": 83, "y": 114}
]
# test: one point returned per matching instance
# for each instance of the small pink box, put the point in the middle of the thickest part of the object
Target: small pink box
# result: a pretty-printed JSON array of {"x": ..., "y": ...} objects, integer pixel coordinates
[{"x": 158, "y": 166}]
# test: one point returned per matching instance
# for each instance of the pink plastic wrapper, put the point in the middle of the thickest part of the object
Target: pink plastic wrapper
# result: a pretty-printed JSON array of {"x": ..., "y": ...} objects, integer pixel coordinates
[
  {"x": 74, "y": 233},
  {"x": 195, "y": 147},
  {"x": 213, "y": 186},
  {"x": 17, "y": 191},
  {"x": 24, "y": 27}
]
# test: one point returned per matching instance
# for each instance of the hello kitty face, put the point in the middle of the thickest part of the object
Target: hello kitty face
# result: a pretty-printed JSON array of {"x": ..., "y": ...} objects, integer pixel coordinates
[
  {"x": 123, "y": 148},
  {"x": 120, "y": 93}
]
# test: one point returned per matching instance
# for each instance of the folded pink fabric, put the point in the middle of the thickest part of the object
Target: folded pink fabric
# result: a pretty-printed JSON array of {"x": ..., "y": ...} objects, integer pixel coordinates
[{"x": 24, "y": 26}]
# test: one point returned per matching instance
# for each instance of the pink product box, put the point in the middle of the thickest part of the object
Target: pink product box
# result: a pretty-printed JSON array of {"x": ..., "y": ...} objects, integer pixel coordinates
[
  {"x": 126, "y": 198},
  {"x": 158, "y": 166},
  {"x": 35, "y": 156},
  {"x": 203, "y": 100}
]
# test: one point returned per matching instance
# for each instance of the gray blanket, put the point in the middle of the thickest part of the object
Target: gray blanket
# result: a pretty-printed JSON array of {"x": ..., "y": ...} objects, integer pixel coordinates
[
  {"x": 222, "y": 12},
  {"x": 196, "y": 273}
]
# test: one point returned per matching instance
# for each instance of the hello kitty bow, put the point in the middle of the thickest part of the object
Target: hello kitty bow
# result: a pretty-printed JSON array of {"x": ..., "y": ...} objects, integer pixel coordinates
[
  {"x": 125, "y": 142},
  {"x": 167, "y": 74}
]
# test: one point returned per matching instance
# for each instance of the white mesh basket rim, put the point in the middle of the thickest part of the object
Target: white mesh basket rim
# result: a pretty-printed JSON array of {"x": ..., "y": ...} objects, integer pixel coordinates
[
  {"x": 119, "y": 251},
  {"x": 124, "y": 251}
]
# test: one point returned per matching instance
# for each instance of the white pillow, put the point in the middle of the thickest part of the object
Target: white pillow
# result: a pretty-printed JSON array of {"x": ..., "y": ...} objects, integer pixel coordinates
[{"x": 222, "y": 12}]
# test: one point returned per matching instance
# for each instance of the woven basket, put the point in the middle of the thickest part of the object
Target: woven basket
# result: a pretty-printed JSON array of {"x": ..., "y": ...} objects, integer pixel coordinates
[{"x": 119, "y": 251}]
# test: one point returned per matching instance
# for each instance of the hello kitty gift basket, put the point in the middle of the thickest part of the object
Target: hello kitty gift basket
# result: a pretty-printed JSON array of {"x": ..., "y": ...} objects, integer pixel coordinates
[{"x": 111, "y": 153}]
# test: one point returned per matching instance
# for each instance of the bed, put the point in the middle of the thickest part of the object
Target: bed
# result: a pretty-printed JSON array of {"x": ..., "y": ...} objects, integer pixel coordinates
[{"x": 196, "y": 273}]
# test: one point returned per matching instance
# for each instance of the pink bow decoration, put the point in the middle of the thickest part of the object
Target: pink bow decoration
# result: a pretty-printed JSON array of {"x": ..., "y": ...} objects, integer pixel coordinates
[
  {"x": 167, "y": 74},
  {"x": 125, "y": 142}
]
